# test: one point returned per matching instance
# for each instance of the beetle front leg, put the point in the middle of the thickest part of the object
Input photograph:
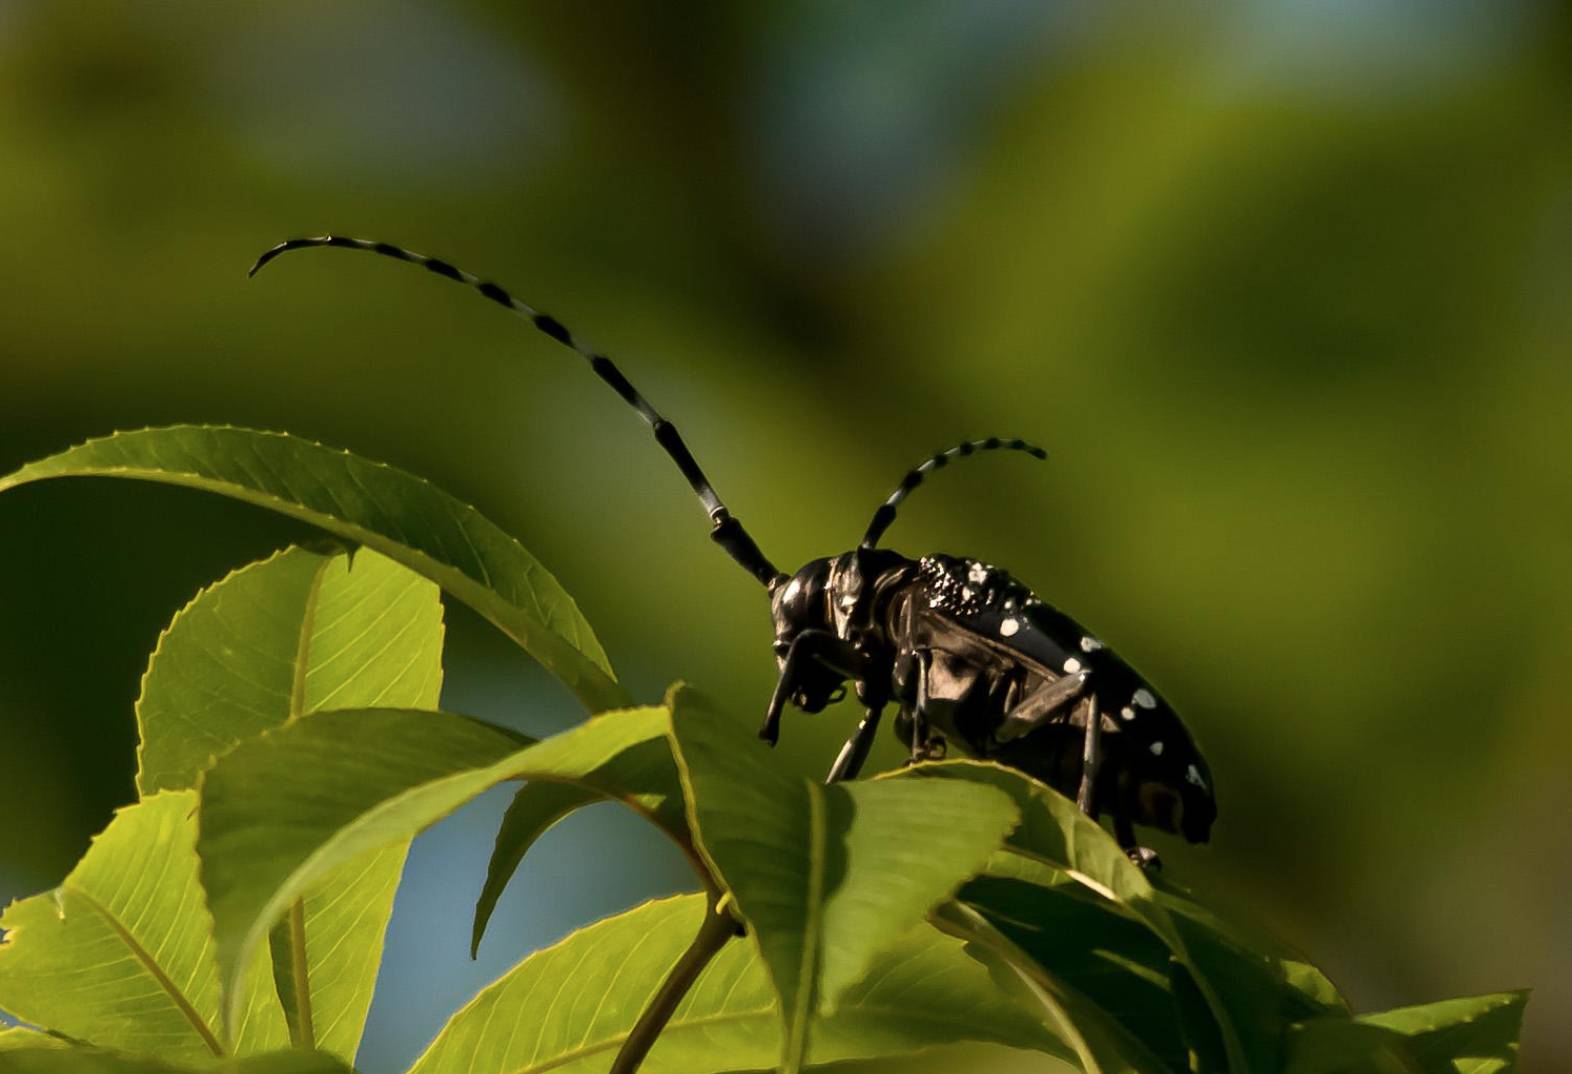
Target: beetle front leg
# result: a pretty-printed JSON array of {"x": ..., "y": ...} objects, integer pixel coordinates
[{"x": 810, "y": 645}]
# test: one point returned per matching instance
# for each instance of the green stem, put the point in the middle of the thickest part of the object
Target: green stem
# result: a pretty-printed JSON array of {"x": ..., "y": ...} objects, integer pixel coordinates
[{"x": 718, "y": 927}]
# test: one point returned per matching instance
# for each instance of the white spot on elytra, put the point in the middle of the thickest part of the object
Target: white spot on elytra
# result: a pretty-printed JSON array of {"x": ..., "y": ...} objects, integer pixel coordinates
[
  {"x": 1071, "y": 666},
  {"x": 1127, "y": 713},
  {"x": 1193, "y": 774},
  {"x": 1008, "y": 628},
  {"x": 977, "y": 574},
  {"x": 1157, "y": 749},
  {"x": 1090, "y": 645},
  {"x": 1144, "y": 698},
  {"x": 966, "y": 593}
]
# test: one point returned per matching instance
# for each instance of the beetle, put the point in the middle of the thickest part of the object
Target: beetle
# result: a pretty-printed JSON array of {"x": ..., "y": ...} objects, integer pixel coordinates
[{"x": 968, "y": 655}]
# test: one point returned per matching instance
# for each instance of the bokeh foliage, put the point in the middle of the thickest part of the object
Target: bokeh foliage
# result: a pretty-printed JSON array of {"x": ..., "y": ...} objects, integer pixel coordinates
[{"x": 1283, "y": 288}]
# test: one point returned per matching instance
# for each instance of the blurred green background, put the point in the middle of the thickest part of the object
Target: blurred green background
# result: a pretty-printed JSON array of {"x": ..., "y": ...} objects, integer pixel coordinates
[{"x": 1284, "y": 287}]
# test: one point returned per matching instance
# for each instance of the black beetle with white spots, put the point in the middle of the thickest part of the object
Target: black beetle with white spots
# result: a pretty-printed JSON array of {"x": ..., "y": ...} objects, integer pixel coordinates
[{"x": 966, "y": 655}]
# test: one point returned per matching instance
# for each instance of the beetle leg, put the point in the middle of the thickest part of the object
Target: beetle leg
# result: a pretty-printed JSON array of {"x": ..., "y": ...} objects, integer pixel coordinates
[
  {"x": 1091, "y": 758},
  {"x": 1038, "y": 706},
  {"x": 855, "y": 752},
  {"x": 1124, "y": 832},
  {"x": 819, "y": 645}
]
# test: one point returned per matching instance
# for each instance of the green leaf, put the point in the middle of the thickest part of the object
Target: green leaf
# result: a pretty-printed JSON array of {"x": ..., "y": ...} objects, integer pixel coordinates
[
  {"x": 1339, "y": 1045},
  {"x": 343, "y": 925},
  {"x": 48, "y": 1060},
  {"x": 400, "y": 515},
  {"x": 827, "y": 877},
  {"x": 120, "y": 955},
  {"x": 283, "y": 810},
  {"x": 1304, "y": 990},
  {"x": 21, "y": 1037},
  {"x": 1100, "y": 1044},
  {"x": 278, "y": 811},
  {"x": 1118, "y": 962},
  {"x": 1262, "y": 993},
  {"x": 1471, "y": 1035},
  {"x": 534, "y": 809},
  {"x": 1054, "y": 832},
  {"x": 1094, "y": 948},
  {"x": 568, "y": 1008},
  {"x": 272, "y": 642},
  {"x": 292, "y": 634}
]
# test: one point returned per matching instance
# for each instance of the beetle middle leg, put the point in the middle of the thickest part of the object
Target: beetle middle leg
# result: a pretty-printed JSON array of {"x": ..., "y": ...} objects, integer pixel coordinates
[
  {"x": 1091, "y": 757},
  {"x": 855, "y": 752},
  {"x": 1124, "y": 832},
  {"x": 933, "y": 715}
]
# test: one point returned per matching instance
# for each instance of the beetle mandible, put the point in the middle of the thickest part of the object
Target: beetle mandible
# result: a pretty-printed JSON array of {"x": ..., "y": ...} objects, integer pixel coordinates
[{"x": 968, "y": 655}]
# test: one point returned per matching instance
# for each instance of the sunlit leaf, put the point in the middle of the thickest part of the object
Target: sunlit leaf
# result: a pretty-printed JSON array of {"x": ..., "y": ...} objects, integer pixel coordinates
[
  {"x": 826, "y": 876},
  {"x": 270, "y": 806},
  {"x": 21, "y": 1037},
  {"x": 345, "y": 921},
  {"x": 400, "y": 515},
  {"x": 120, "y": 955},
  {"x": 292, "y": 634},
  {"x": 48, "y": 1060},
  {"x": 283, "y": 810},
  {"x": 569, "y": 1008},
  {"x": 275, "y": 641}
]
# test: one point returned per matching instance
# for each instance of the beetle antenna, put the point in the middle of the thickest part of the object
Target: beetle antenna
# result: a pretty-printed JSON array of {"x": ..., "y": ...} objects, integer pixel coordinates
[
  {"x": 725, "y": 529},
  {"x": 914, "y": 477}
]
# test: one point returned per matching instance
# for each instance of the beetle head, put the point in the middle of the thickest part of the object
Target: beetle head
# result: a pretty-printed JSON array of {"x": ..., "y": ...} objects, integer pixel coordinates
[{"x": 802, "y": 603}]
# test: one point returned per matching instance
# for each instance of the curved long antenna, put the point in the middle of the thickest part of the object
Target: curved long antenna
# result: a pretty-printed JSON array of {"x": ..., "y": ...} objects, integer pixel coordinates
[
  {"x": 915, "y": 476},
  {"x": 725, "y": 529}
]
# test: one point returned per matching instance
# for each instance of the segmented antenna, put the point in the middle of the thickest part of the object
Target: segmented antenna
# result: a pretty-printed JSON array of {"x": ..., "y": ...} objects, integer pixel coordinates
[
  {"x": 914, "y": 477},
  {"x": 725, "y": 529}
]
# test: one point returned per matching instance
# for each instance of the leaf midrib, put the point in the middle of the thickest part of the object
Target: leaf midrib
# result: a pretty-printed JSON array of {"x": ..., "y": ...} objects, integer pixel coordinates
[
  {"x": 295, "y": 922},
  {"x": 796, "y": 1042},
  {"x": 145, "y": 957}
]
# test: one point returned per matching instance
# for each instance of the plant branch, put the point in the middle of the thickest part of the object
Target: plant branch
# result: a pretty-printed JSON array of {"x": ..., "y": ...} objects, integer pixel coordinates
[{"x": 719, "y": 926}]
